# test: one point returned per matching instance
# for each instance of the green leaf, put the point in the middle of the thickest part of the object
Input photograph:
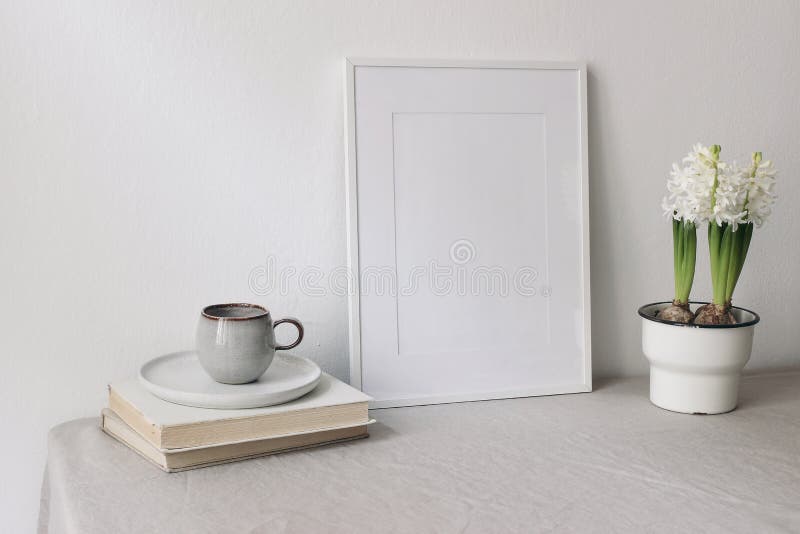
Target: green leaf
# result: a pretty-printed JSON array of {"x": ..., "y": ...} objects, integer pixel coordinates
[
  {"x": 733, "y": 262},
  {"x": 689, "y": 261},
  {"x": 721, "y": 280},
  {"x": 747, "y": 235},
  {"x": 677, "y": 252}
]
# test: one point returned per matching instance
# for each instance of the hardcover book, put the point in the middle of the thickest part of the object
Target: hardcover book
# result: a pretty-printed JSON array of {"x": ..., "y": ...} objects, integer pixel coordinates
[
  {"x": 331, "y": 405},
  {"x": 172, "y": 460}
]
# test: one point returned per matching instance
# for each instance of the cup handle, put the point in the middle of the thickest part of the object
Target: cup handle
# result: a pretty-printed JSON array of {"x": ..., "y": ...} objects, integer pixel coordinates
[{"x": 297, "y": 325}]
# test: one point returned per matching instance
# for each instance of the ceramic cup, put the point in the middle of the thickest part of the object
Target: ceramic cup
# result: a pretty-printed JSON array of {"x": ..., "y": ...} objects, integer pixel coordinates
[{"x": 235, "y": 343}]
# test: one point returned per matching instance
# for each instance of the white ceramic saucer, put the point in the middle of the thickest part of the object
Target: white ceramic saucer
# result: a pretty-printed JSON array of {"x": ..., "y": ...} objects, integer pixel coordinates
[{"x": 179, "y": 378}]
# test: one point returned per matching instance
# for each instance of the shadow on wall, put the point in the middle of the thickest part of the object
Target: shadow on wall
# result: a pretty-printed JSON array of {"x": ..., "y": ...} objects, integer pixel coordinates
[{"x": 605, "y": 289}]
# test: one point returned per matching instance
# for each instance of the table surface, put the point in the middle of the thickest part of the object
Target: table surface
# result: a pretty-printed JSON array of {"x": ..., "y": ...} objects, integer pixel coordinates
[{"x": 593, "y": 462}]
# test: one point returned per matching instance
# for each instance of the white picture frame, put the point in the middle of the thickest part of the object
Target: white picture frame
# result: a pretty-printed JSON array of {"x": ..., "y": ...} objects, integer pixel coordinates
[{"x": 430, "y": 124}]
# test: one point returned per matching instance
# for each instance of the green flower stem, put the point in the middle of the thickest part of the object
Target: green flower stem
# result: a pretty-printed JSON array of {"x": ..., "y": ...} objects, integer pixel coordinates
[
  {"x": 714, "y": 244},
  {"x": 684, "y": 245}
]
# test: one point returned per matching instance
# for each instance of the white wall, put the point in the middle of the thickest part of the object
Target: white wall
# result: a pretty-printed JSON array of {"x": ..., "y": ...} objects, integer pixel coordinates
[{"x": 152, "y": 154}]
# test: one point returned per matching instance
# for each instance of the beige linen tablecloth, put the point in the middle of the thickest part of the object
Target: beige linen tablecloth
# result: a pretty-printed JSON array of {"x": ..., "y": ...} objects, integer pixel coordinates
[{"x": 608, "y": 461}]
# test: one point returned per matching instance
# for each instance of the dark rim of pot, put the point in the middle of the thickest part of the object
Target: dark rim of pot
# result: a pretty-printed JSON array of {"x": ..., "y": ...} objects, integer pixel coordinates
[{"x": 655, "y": 319}]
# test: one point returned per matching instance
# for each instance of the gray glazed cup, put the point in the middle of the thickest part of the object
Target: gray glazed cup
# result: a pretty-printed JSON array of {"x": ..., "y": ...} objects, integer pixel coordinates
[{"x": 235, "y": 343}]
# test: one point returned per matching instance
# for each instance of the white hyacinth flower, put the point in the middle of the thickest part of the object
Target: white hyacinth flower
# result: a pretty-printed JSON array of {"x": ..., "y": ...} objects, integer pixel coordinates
[
  {"x": 760, "y": 184},
  {"x": 730, "y": 196},
  {"x": 704, "y": 189},
  {"x": 690, "y": 186}
]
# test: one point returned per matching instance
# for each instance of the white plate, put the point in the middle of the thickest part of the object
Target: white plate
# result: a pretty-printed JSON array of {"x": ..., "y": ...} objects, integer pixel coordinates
[{"x": 179, "y": 378}]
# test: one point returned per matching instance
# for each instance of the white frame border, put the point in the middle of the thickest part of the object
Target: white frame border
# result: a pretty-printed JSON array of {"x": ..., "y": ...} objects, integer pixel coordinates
[{"x": 351, "y": 182}]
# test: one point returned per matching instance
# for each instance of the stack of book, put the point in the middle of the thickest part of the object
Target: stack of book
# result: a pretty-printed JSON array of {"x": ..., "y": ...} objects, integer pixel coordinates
[{"x": 177, "y": 438}]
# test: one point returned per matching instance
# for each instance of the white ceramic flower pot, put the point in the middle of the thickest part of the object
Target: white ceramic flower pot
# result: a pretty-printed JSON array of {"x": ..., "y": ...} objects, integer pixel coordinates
[{"x": 696, "y": 368}]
